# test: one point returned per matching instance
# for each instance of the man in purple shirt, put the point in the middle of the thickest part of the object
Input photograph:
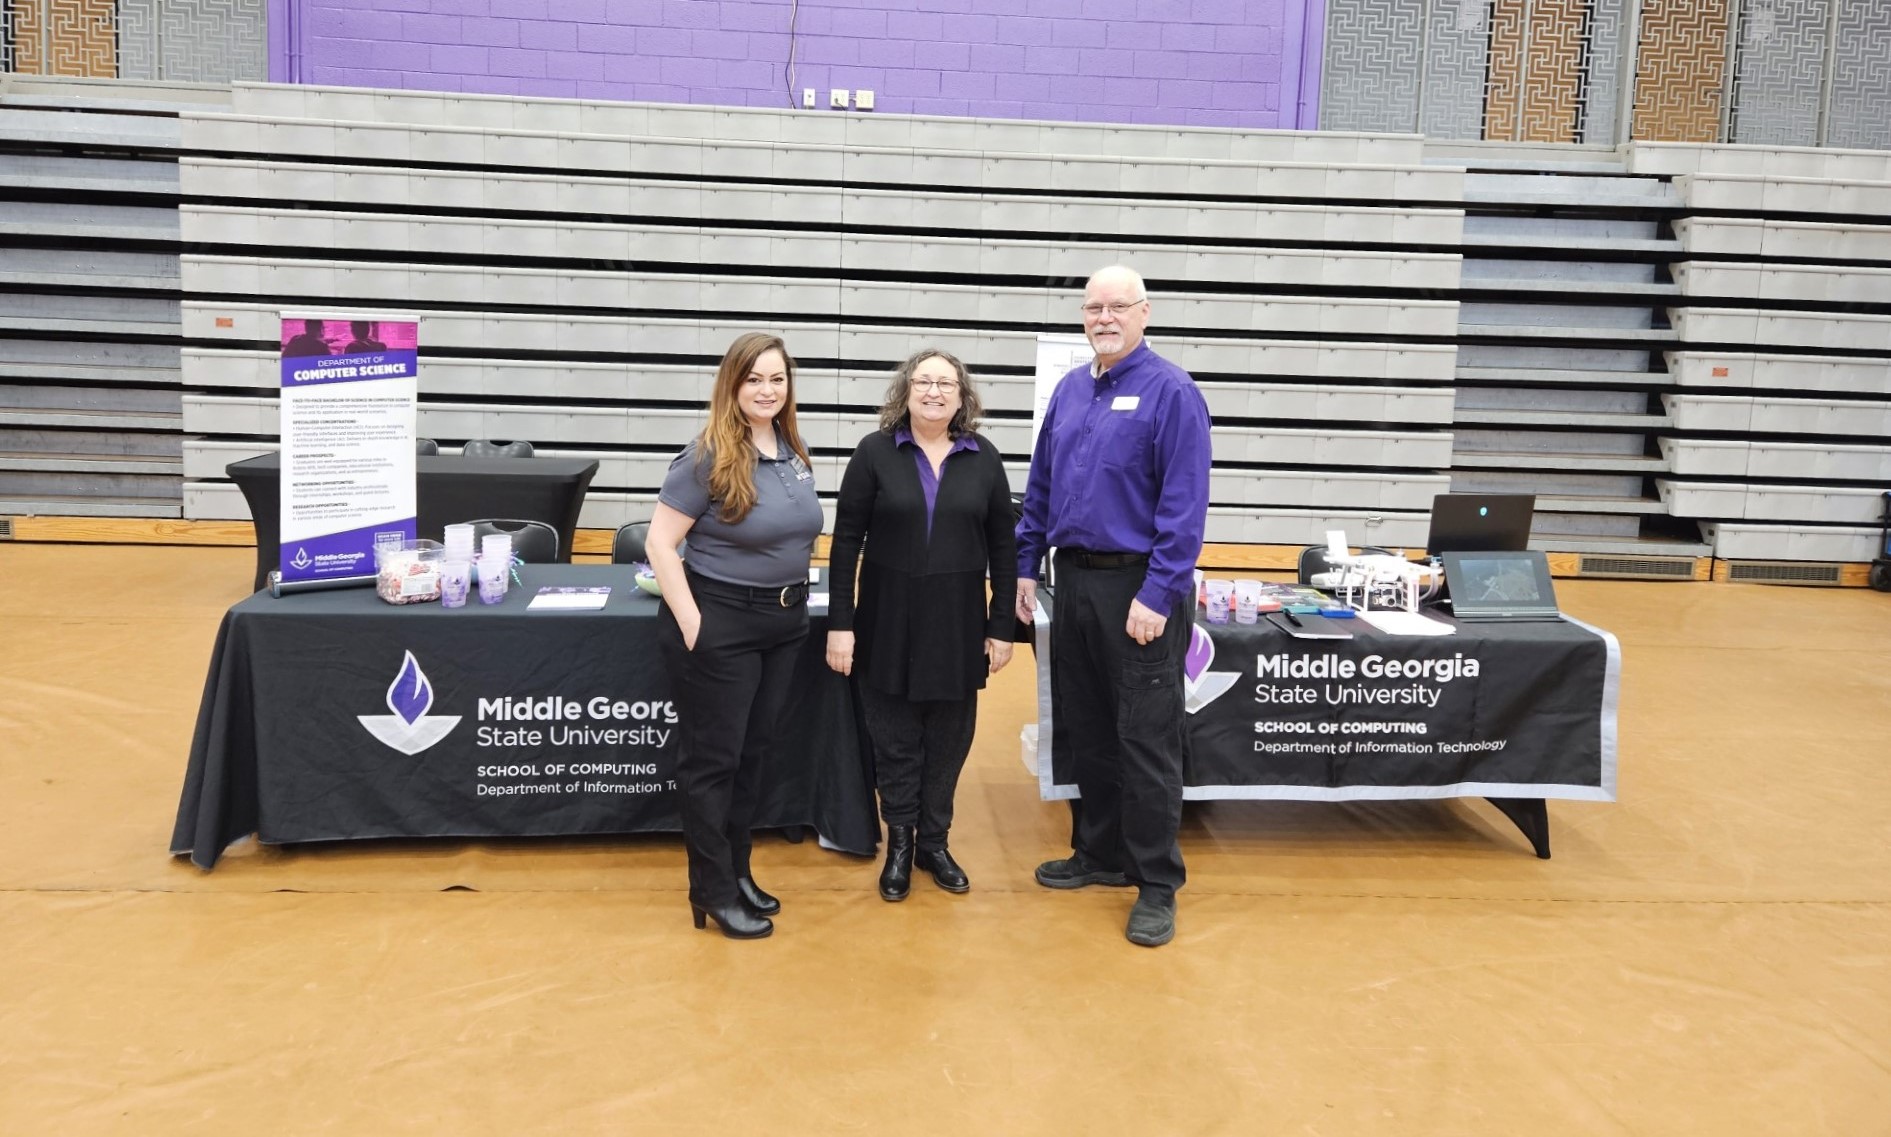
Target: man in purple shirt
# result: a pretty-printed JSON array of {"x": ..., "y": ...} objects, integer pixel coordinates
[{"x": 1119, "y": 487}]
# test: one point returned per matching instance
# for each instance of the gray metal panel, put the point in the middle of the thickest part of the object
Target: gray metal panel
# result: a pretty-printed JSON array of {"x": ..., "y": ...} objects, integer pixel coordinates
[
  {"x": 203, "y": 41},
  {"x": 1374, "y": 50},
  {"x": 87, "y": 268},
  {"x": 142, "y": 131},
  {"x": 88, "y": 360},
  {"x": 1860, "y": 112},
  {"x": 97, "y": 222},
  {"x": 109, "y": 175}
]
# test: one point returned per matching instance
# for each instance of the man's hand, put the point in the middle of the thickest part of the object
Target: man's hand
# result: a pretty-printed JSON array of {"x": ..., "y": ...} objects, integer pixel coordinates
[
  {"x": 1027, "y": 601},
  {"x": 1145, "y": 623},
  {"x": 998, "y": 652}
]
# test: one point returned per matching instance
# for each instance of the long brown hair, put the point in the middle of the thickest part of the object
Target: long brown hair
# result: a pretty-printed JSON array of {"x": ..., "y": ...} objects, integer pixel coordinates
[
  {"x": 726, "y": 443},
  {"x": 894, "y": 413}
]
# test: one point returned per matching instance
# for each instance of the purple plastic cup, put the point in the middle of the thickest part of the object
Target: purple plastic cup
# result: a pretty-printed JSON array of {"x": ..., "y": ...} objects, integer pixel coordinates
[
  {"x": 492, "y": 580},
  {"x": 456, "y": 580}
]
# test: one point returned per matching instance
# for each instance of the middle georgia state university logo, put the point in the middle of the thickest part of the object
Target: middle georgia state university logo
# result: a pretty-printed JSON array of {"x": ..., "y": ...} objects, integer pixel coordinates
[
  {"x": 1201, "y": 685},
  {"x": 410, "y": 729}
]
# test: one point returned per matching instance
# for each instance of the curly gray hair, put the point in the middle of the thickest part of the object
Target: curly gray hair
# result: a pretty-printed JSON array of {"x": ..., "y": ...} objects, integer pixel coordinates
[{"x": 893, "y": 413}]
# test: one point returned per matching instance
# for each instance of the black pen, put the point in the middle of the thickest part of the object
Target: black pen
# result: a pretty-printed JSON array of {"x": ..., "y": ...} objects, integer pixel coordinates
[{"x": 1291, "y": 618}]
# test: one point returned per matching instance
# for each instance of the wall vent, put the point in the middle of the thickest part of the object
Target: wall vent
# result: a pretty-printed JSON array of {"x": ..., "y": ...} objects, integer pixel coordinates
[
  {"x": 1637, "y": 568},
  {"x": 6, "y": 529},
  {"x": 1784, "y": 572}
]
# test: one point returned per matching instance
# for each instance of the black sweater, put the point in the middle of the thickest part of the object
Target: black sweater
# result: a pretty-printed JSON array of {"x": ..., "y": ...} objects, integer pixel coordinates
[{"x": 922, "y": 617}]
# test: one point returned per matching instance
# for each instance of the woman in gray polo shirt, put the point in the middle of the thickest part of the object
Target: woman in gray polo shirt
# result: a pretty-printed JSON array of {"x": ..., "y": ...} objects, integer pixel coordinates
[{"x": 743, "y": 494}]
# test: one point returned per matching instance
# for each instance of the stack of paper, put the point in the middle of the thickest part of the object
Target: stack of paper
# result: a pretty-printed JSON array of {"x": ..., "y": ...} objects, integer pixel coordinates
[{"x": 1397, "y": 622}]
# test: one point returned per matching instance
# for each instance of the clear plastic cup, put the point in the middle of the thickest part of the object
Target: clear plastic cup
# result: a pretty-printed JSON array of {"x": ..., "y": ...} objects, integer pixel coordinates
[
  {"x": 456, "y": 580},
  {"x": 1247, "y": 601},
  {"x": 492, "y": 579},
  {"x": 459, "y": 542},
  {"x": 1220, "y": 599}
]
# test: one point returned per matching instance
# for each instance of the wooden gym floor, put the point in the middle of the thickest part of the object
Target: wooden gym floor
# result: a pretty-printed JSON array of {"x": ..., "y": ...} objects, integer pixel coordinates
[{"x": 1710, "y": 955}]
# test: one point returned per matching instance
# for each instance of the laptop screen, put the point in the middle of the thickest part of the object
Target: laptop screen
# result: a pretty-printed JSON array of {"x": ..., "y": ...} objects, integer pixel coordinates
[{"x": 1473, "y": 522}]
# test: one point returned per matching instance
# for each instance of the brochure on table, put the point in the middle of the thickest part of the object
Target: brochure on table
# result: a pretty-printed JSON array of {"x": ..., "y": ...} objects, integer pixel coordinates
[{"x": 349, "y": 386}]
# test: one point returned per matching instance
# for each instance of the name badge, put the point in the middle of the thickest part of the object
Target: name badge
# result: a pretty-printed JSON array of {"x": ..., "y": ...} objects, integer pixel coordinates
[{"x": 1125, "y": 402}]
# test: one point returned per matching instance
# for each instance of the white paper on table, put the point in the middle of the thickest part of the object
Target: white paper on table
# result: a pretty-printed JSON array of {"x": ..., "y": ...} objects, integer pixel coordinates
[
  {"x": 1397, "y": 622},
  {"x": 571, "y": 599}
]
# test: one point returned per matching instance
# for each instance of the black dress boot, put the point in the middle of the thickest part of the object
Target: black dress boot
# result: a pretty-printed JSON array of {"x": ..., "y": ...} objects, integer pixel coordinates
[
  {"x": 945, "y": 871},
  {"x": 752, "y": 895},
  {"x": 896, "y": 879},
  {"x": 735, "y": 920}
]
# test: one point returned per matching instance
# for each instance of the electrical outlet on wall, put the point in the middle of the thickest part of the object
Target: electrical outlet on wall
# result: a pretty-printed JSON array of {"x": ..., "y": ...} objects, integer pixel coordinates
[
  {"x": 837, "y": 98},
  {"x": 807, "y": 97},
  {"x": 863, "y": 100}
]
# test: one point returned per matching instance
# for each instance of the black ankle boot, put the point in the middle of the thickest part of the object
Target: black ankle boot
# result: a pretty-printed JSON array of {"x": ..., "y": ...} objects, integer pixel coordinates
[
  {"x": 752, "y": 895},
  {"x": 735, "y": 920},
  {"x": 896, "y": 879},
  {"x": 945, "y": 871}
]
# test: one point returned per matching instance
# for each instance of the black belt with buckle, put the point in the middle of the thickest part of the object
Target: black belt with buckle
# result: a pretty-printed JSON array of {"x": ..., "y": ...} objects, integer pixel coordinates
[
  {"x": 786, "y": 596},
  {"x": 1091, "y": 560}
]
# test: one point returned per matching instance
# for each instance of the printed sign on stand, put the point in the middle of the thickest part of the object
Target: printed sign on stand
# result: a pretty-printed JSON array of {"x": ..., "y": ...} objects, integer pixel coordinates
[
  {"x": 1057, "y": 353},
  {"x": 349, "y": 388}
]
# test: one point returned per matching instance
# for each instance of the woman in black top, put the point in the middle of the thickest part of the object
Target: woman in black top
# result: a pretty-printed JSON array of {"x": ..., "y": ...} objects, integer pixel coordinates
[
  {"x": 732, "y": 620},
  {"x": 928, "y": 499}
]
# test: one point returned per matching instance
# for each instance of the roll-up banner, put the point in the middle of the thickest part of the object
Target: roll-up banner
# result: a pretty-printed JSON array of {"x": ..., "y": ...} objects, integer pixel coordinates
[
  {"x": 349, "y": 387},
  {"x": 1057, "y": 353}
]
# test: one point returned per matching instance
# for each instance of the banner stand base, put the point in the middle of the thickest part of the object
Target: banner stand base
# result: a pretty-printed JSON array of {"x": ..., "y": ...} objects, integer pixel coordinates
[{"x": 279, "y": 587}]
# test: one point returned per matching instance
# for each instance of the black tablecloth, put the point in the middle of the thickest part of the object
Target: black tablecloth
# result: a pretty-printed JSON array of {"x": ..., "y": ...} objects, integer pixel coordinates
[
  {"x": 314, "y": 702},
  {"x": 1521, "y": 710},
  {"x": 450, "y": 489}
]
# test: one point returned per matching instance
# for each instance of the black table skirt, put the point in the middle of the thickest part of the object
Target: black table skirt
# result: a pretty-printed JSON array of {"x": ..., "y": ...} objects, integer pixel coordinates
[
  {"x": 450, "y": 489},
  {"x": 519, "y": 723},
  {"x": 1518, "y": 710}
]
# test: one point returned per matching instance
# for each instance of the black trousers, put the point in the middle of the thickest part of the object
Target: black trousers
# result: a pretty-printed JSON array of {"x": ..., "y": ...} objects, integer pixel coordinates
[
  {"x": 730, "y": 692},
  {"x": 918, "y": 750},
  {"x": 1118, "y": 704}
]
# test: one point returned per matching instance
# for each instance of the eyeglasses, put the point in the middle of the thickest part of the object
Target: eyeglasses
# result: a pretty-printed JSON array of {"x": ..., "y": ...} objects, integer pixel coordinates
[
  {"x": 1092, "y": 311},
  {"x": 942, "y": 386}
]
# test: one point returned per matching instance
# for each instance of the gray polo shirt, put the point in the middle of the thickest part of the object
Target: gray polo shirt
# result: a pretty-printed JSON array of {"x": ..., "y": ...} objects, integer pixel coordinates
[{"x": 770, "y": 547}]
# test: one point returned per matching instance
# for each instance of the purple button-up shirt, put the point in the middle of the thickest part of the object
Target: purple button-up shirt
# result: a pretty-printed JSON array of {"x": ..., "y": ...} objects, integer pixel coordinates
[
  {"x": 1121, "y": 466},
  {"x": 929, "y": 481}
]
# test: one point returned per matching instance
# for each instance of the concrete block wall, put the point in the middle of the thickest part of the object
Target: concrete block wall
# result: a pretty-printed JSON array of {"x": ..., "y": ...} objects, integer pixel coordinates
[{"x": 1250, "y": 63}]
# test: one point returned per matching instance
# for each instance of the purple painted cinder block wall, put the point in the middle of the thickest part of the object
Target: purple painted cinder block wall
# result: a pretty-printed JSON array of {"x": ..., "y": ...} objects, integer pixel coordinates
[{"x": 1246, "y": 63}]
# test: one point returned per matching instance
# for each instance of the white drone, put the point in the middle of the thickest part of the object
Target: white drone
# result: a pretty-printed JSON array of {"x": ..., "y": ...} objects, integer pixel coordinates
[{"x": 1365, "y": 581}]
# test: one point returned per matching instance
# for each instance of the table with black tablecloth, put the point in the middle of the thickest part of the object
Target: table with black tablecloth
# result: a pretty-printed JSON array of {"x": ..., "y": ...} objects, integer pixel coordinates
[
  {"x": 335, "y": 715},
  {"x": 450, "y": 489},
  {"x": 1514, "y": 712}
]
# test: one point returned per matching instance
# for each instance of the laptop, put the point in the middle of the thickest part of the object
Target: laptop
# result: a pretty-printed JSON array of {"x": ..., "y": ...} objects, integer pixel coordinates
[
  {"x": 1505, "y": 585},
  {"x": 1470, "y": 522}
]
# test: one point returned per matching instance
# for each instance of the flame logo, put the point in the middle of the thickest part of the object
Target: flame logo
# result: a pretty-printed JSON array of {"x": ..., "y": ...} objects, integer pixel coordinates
[
  {"x": 410, "y": 695},
  {"x": 1200, "y": 685},
  {"x": 1201, "y": 653},
  {"x": 301, "y": 558},
  {"x": 410, "y": 729}
]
